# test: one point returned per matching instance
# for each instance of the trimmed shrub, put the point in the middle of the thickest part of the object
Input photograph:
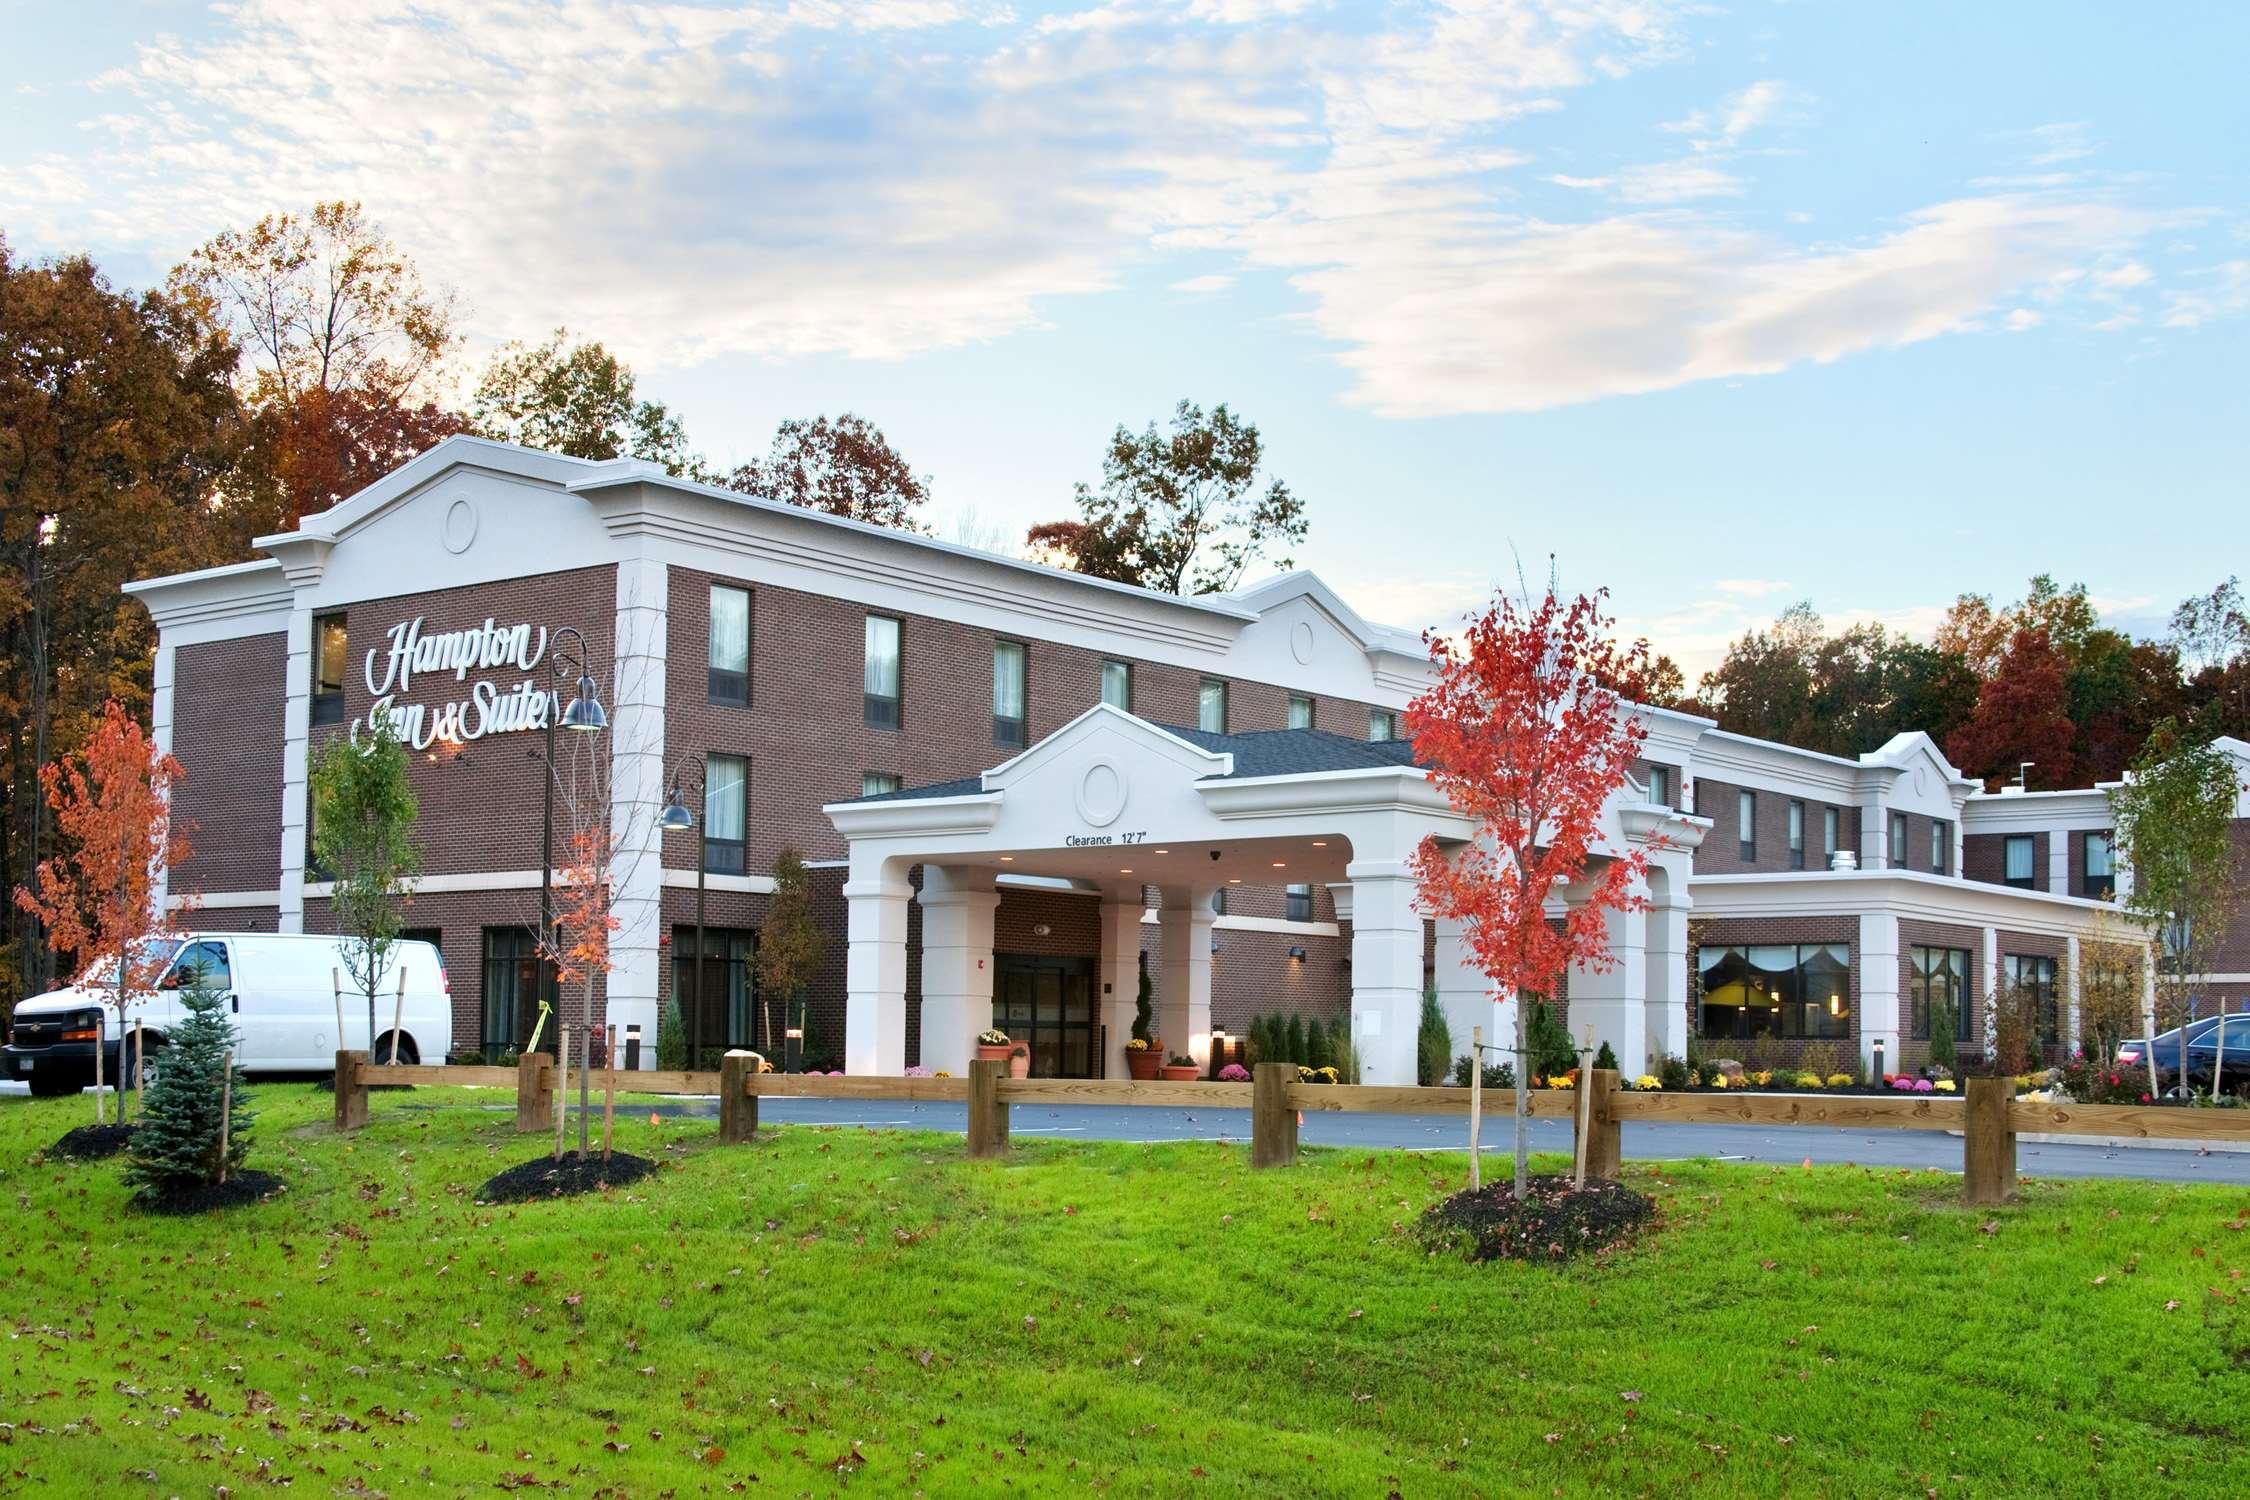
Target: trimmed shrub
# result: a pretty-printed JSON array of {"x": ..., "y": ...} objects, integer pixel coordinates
[
  {"x": 1293, "y": 1041},
  {"x": 1434, "y": 1043},
  {"x": 1604, "y": 1058}
]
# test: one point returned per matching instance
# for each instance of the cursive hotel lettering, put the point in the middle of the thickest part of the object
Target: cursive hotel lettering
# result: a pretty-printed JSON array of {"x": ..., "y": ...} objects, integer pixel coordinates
[{"x": 490, "y": 708}]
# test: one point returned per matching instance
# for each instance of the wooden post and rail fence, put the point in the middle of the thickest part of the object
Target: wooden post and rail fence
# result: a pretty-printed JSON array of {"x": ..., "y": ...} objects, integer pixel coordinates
[{"x": 1988, "y": 1117}]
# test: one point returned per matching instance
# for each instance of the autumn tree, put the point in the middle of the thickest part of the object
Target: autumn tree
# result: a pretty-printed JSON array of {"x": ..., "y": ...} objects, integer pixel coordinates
[
  {"x": 844, "y": 466},
  {"x": 790, "y": 942},
  {"x": 344, "y": 346},
  {"x": 363, "y": 808},
  {"x": 116, "y": 415},
  {"x": 1842, "y": 694},
  {"x": 576, "y": 399},
  {"x": 1180, "y": 511},
  {"x": 1527, "y": 743},
  {"x": 2022, "y": 715},
  {"x": 1980, "y": 634},
  {"x": 112, "y": 803},
  {"x": 2211, "y": 633},
  {"x": 2174, "y": 819},
  {"x": 578, "y": 946}
]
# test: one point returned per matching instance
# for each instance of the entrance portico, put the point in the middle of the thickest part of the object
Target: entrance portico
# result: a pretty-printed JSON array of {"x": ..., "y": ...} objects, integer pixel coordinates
[{"x": 1120, "y": 809}]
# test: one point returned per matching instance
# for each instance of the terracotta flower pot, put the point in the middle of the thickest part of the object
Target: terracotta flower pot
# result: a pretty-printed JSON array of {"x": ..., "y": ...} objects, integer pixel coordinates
[
  {"x": 991, "y": 1054},
  {"x": 1019, "y": 1065},
  {"x": 1187, "y": 1074},
  {"x": 1142, "y": 1065}
]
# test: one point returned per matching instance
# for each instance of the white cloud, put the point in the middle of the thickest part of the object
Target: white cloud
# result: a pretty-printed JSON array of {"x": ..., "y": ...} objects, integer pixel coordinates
[
  {"x": 2219, "y": 291},
  {"x": 1202, "y": 286},
  {"x": 881, "y": 181},
  {"x": 2023, "y": 320}
]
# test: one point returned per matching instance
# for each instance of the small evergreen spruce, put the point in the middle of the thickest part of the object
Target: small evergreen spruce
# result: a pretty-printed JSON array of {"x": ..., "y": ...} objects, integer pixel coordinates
[
  {"x": 1434, "y": 1045},
  {"x": 671, "y": 1039},
  {"x": 176, "y": 1148},
  {"x": 1294, "y": 1042},
  {"x": 1549, "y": 1043},
  {"x": 1606, "y": 1058}
]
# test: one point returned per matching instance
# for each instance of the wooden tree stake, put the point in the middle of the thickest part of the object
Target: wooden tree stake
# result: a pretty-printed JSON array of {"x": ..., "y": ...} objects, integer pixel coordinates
[
  {"x": 336, "y": 983},
  {"x": 562, "y": 1085},
  {"x": 398, "y": 1010},
  {"x": 738, "y": 1107},
  {"x": 1476, "y": 1107},
  {"x": 226, "y": 1109},
  {"x": 1273, "y": 1123},
  {"x": 609, "y": 1086},
  {"x": 1585, "y": 1098},
  {"x": 988, "y": 1112}
]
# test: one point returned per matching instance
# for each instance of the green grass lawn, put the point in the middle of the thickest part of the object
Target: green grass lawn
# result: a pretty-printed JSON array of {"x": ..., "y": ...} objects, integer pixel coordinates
[{"x": 831, "y": 1310}]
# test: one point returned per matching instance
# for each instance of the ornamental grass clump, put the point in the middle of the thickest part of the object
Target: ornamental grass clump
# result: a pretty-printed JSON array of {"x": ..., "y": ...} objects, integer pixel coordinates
[{"x": 1551, "y": 1223}]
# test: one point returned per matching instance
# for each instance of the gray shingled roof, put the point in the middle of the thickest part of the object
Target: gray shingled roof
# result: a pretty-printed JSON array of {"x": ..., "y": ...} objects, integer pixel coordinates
[{"x": 1263, "y": 752}]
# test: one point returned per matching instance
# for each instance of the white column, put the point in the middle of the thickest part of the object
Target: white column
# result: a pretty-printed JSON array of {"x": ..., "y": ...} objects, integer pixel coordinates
[
  {"x": 1120, "y": 975},
  {"x": 1988, "y": 991},
  {"x": 1878, "y": 990},
  {"x": 1614, "y": 1002},
  {"x": 160, "y": 734},
  {"x": 1386, "y": 970},
  {"x": 957, "y": 907},
  {"x": 296, "y": 729},
  {"x": 2058, "y": 861},
  {"x": 875, "y": 973},
  {"x": 1465, "y": 993},
  {"x": 636, "y": 796},
  {"x": 1183, "y": 996},
  {"x": 2072, "y": 982},
  {"x": 1667, "y": 1014},
  {"x": 1874, "y": 837}
]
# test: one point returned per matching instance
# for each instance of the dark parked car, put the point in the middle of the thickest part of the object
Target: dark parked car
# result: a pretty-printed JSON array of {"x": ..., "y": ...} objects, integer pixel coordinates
[{"x": 2203, "y": 1046}]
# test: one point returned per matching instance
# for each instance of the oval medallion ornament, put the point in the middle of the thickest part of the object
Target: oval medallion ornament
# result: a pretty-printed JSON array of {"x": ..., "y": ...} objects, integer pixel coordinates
[
  {"x": 1101, "y": 793},
  {"x": 460, "y": 526},
  {"x": 1301, "y": 642}
]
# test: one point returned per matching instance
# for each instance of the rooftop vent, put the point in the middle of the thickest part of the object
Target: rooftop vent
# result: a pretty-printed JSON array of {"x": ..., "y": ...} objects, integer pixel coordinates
[{"x": 1843, "y": 859}]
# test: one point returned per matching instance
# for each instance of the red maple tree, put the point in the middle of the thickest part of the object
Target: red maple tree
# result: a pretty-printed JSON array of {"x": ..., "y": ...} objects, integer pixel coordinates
[
  {"x": 579, "y": 945},
  {"x": 112, "y": 801},
  {"x": 1527, "y": 739},
  {"x": 2022, "y": 714}
]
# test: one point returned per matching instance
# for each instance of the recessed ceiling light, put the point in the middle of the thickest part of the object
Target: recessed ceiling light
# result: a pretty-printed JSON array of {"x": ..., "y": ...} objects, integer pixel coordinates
[
  {"x": 1281, "y": 864},
  {"x": 1164, "y": 851},
  {"x": 1320, "y": 843},
  {"x": 1234, "y": 880},
  {"x": 1007, "y": 859},
  {"x": 1124, "y": 872}
]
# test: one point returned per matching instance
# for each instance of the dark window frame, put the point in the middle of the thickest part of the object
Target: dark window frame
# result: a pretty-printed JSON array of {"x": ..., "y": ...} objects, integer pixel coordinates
[
  {"x": 726, "y": 856},
  {"x": 1312, "y": 711},
  {"x": 1941, "y": 846},
  {"x": 1796, "y": 833},
  {"x": 1660, "y": 785},
  {"x": 2097, "y": 887},
  {"x": 897, "y": 783},
  {"x": 1835, "y": 1025},
  {"x": 1918, "y": 991},
  {"x": 2038, "y": 973},
  {"x": 1831, "y": 833},
  {"x": 725, "y": 687},
  {"x": 328, "y": 693},
  {"x": 2029, "y": 843},
  {"x": 1387, "y": 719},
  {"x": 1298, "y": 901},
  {"x": 1746, "y": 817},
  {"x": 1226, "y": 707},
  {"x": 1900, "y": 841},
  {"x": 1101, "y": 684},
  {"x": 1011, "y": 733}
]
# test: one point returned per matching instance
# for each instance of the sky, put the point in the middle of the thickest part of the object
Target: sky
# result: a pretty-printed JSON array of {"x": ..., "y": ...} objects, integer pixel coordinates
[{"x": 1721, "y": 306}]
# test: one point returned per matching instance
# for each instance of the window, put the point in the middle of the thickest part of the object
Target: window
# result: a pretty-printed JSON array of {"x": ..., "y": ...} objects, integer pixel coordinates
[
  {"x": 1300, "y": 712},
  {"x": 1117, "y": 684},
  {"x": 1218, "y": 909},
  {"x": 1898, "y": 841},
  {"x": 329, "y": 652},
  {"x": 883, "y": 672},
  {"x": 1211, "y": 706},
  {"x": 1660, "y": 785},
  {"x": 1941, "y": 847},
  {"x": 206, "y": 961},
  {"x": 1007, "y": 695},
  {"x": 1831, "y": 829},
  {"x": 512, "y": 973},
  {"x": 717, "y": 998},
  {"x": 726, "y": 795},
  {"x": 1299, "y": 908},
  {"x": 1746, "y": 825},
  {"x": 2036, "y": 978},
  {"x": 877, "y": 783},
  {"x": 2100, "y": 881},
  {"x": 730, "y": 645},
  {"x": 1796, "y": 835},
  {"x": 1790, "y": 991},
  {"x": 2016, "y": 860},
  {"x": 1938, "y": 983},
  {"x": 1382, "y": 724}
]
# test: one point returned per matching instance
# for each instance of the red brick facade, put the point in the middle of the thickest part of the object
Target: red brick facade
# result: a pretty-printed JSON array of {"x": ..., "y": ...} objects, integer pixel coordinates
[{"x": 228, "y": 732}]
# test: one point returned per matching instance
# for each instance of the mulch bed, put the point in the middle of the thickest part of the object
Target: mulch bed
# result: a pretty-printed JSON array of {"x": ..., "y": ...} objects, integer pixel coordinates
[
  {"x": 92, "y": 1142},
  {"x": 241, "y": 1188},
  {"x": 546, "y": 1177},
  {"x": 1553, "y": 1221}
]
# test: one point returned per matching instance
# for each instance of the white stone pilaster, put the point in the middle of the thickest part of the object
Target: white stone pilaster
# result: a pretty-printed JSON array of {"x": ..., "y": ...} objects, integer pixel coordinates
[
  {"x": 160, "y": 734},
  {"x": 1120, "y": 975},
  {"x": 636, "y": 796},
  {"x": 1879, "y": 1009},
  {"x": 1386, "y": 970},
  {"x": 957, "y": 907},
  {"x": 1614, "y": 1001},
  {"x": 2073, "y": 982},
  {"x": 1875, "y": 837},
  {"x": 875, "y": 973},
  {"x": 1987, "y": 992},
  {"x": 1183, "y": 998},
  {"x": 296, "y": 732},
  {"x": 2058, "y": 861},
  {"x": 1465, "y": 992},
  {"x": 1667, "y": 1014}
]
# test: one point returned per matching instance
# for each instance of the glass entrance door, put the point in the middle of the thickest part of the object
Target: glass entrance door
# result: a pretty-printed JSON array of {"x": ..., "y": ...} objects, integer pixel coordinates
[{"x": 1048, "y": 1005}]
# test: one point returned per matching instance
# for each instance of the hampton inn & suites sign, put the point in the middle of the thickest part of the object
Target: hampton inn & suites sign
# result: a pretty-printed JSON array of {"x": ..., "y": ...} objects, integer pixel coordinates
[{"x": 491, "y": 707}]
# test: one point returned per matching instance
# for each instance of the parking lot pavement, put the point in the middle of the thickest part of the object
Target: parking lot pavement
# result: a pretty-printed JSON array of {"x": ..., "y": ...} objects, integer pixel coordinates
[{"x": 1640, "y": 1142}]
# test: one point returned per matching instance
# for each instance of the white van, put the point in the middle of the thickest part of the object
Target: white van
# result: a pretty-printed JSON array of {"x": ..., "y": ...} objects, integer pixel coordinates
[{"x": 281, "y": 997}]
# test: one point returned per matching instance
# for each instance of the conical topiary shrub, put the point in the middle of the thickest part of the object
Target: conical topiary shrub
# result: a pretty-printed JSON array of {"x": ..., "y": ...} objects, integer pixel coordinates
[{"x": 177, "y": 1149}]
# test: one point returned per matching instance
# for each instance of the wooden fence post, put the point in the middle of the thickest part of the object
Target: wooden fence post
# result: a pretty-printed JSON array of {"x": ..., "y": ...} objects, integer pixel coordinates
[
  {"x": 1988, "y": 1142},
  {"x": 535, "y": 1092},
  {"x": 988, "y": 1113},
  {"x": 351, "y": 1090},
  {"x": 738, "y": 1107},
  {"x": 1603, "y": 1147},
  {"x": 1273, "y": 1119}
]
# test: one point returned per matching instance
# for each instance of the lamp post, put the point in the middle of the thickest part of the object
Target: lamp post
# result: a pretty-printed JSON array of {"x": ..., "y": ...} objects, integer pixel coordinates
[
  {"x": 583, "y": 716},
  {"x": 678, "y": 818}
]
